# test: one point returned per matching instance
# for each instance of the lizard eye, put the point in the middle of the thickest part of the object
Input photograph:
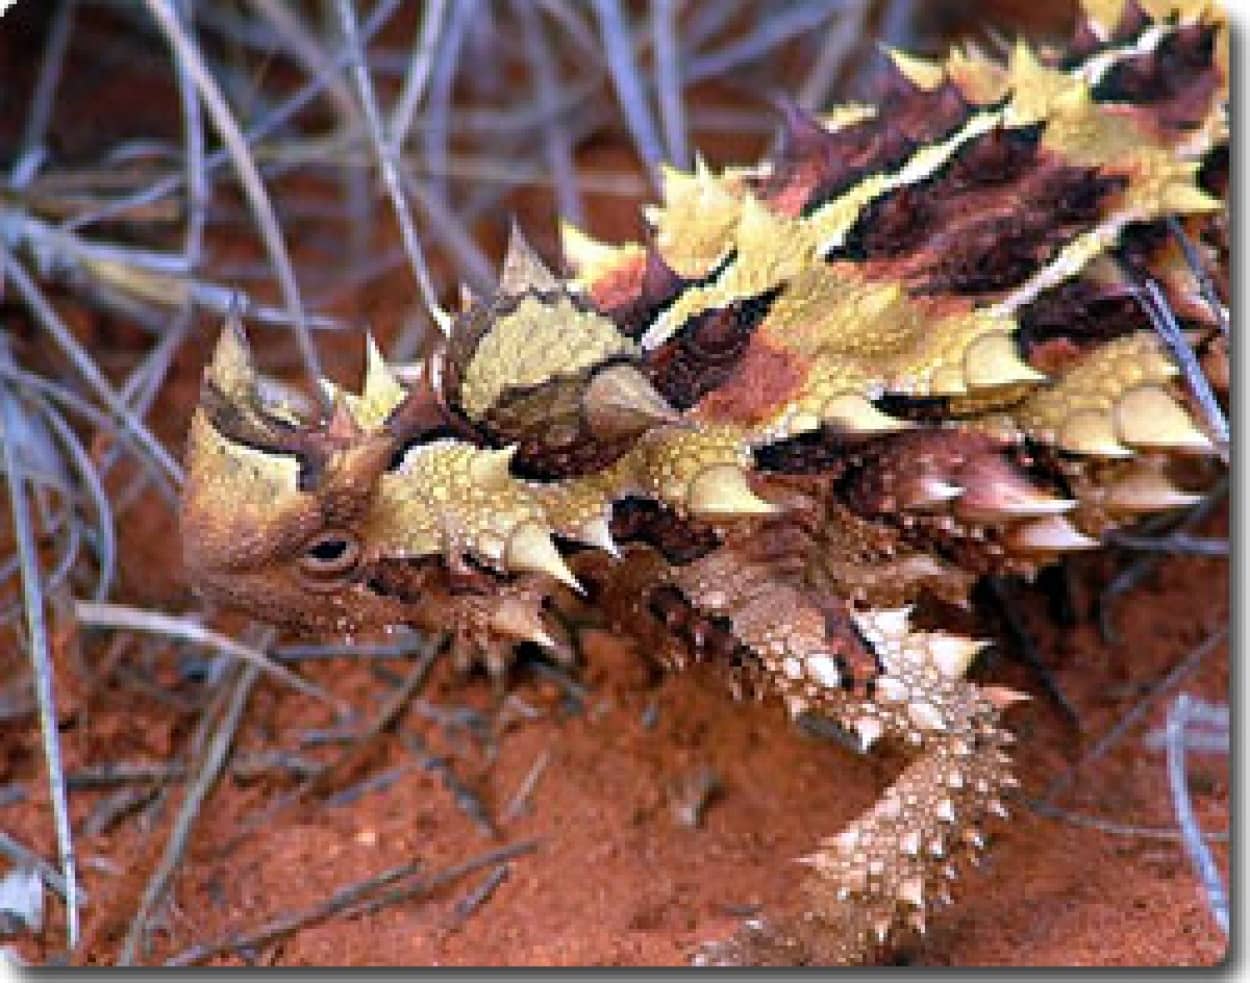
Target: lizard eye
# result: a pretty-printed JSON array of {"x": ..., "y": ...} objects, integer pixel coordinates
[{"x": 330, "y": 555}]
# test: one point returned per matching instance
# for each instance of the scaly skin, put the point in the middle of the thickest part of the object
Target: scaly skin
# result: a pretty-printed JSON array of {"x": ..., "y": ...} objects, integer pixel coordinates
[{"x": 900, "y": 356}]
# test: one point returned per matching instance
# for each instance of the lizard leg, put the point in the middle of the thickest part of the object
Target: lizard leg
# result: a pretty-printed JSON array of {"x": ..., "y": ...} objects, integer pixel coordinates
[{"x": 882, "y": 680}]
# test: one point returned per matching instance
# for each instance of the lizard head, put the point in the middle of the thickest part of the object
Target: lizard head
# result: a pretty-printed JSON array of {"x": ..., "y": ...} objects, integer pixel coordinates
[
  {"x": 463, "y": 481},
  {"x": 277, "y": 509}
]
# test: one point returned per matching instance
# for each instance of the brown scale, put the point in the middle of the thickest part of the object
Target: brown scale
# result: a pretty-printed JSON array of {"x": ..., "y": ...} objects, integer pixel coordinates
[
  {"x": 766, "y": 574},
  {"x": 879, "y": 470},
  {"x": 1086, "y": 42},
  {"x": 883, "y": 483},
  {"x": 551, "y": 433},
  {"x": 678, "y": 539},
  {"x": 707, "y": 639},
  {"x": 924, "y": 116},
  {"x": 1083, "y": 312},
  {"x": 658, "y": 287},
  {"x": 1177, "y": 80},
  {"x": 1145, "y": 247},
  {"x": 985, "y": 223},
  {"x": 706, "y": 352},
  {"x": 814, "y": 165},
  {"x": 823, "y": 452},
  {"x": 544, "y": 421},
  {"x": 408, "y": 581}
]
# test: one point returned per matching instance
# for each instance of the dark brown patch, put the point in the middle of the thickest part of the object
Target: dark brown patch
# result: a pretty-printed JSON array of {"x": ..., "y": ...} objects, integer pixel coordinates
[
  {"x": 657, "y": 288},
  {"x": 704, "y": 354},
  {"x": 1177, "y": 81},
  {"x": 882, "y": 467},
  {"x": 679, "y": 540},
  {"x": 1213, "y": 174},
  {"x": 813, "y": 165},
  {"x": 1055, "y": 356},
  {"x": 1081, "y": 312},
  {"x": 407, "y": 580},
  {"x": 987, "y": 221},
  {"x": 1085, "y": 42},
  {"x": 880, "y": 148},
  {"x": 918, "y": 409},
  {"x": 822, "y": 452},
  {"x": 878, "y": 477},
  {"x": 924, "y": 117}
]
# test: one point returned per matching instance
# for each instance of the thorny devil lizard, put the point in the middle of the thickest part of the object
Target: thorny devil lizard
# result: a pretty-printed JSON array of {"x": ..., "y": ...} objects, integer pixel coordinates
[{"x": 903, "y": 353}]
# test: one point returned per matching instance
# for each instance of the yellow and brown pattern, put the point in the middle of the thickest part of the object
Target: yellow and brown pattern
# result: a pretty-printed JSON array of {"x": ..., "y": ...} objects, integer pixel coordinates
[{"x": 903, "y": 353}]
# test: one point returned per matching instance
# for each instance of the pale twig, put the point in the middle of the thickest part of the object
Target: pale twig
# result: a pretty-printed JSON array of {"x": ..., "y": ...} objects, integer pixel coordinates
[
  {"x": 1167, "y": 833},
  {"x": 556, "y": 144},
  {"x": 1121, "y": 727},
  {"x": 1207, "y": 729},
  {"x": 630, "y": 92},
  {"x": 285, "y": 924},
  {"x": 390, "y": 172},
  {"x": 1131, "y": 575},
  {"x": 143, "y": 384},
  {"x": 1155, "y": 304},
  {"x": 254, "y": 188},
  {"x": 132, "y": 428},
  {"x": 438, "y": 113},
  {"x": 22, "y": 856},
  {"x": 707, "y": 20},
  {"x": 106, "y": 533},
  {"x": 344, "y": 765},
  {"x": 193, "y": 144},
  {"x": 1176, "y": 543},
  {"x": 520, "y": 800},
  {"x": 350, "y": 901},
  {"x": 519, "y": 120},
  {"x": 279, "y": 116},
  {"x": 418, "y": 76},
  {"x": 668, "y": 80},
  {"x": 465, "y": 798},
  {"x": 307, "y": 52},
  {"x": 31, "y": 150},
  {"x": 447, "y": 876},
  {"x": 470, "y": 260},
  {"x": 836, "y": 48},
  {"x": 41, "y": 662},
  {"x": 570, "y": 18},
  {"x": 98, "y": 615},
  {"x": 52, "y": 248},
  {"x": 1199, "y": 270},
  {"x": 401, "y": 648},
  {"x": 125, "y": 773},
  {"x": 771, "y": 32},
  {"x": 118, "y": 275},
  {"x": 43, "y": 388},
  {"x": 477, "y": 897},
  {"x": 214, "y": 757},
  {"x": 1195, "y": 847}
]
